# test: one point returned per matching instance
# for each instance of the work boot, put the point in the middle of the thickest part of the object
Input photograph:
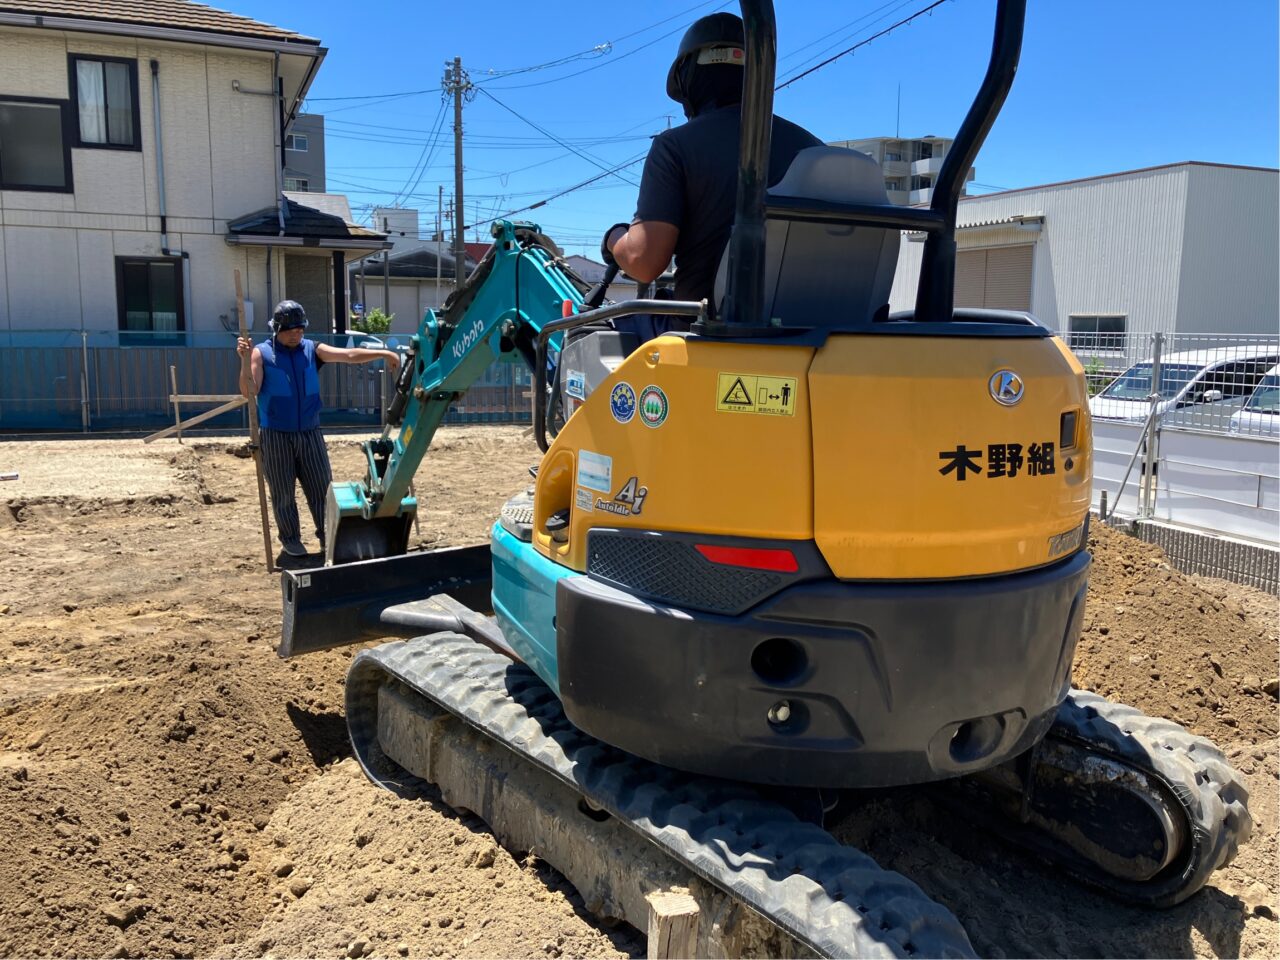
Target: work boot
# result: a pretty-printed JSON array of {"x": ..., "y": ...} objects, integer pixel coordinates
[{"x": 294, "y": 548}]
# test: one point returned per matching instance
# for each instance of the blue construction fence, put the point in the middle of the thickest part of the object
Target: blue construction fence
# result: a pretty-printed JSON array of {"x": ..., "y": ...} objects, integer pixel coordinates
[{"x": 115, "y": 381}]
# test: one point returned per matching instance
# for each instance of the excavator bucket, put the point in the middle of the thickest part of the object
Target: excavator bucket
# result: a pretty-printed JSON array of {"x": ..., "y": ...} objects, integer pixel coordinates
[{"x": 350, "y": 535}]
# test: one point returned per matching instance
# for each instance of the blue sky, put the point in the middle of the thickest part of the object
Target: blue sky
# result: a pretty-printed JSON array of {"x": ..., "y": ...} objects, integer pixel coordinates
[{"x": 1102, "y": 87}]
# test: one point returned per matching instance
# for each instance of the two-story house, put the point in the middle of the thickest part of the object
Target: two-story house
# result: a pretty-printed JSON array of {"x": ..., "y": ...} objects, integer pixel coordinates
[{"x": 142, "y": 161}]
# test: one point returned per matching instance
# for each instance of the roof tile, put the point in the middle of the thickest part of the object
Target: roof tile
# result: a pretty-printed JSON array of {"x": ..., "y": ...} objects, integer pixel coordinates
[{"x": 182, "y": 14}]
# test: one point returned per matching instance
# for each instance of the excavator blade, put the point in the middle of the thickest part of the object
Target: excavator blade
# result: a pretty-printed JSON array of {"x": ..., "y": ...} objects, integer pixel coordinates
[{"x": 405, "y": 596}]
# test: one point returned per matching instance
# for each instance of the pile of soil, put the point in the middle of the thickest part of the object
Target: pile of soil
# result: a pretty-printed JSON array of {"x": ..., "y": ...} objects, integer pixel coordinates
[{"x": 169, "y": 787}]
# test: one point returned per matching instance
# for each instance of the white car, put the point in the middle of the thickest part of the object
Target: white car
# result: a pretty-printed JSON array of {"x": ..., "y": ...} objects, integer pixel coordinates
[
  {"x": 1190, "y": 377},
  {"x": 1260, "y": 416}
]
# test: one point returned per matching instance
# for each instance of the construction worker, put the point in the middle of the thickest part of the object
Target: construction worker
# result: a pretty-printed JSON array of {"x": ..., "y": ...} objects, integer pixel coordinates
[
  {"x": 690, "y": 182},
  {"x": 284, "y": 377}
]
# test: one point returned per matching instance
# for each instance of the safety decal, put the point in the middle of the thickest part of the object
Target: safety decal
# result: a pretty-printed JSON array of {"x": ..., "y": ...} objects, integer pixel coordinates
[
  {"x": 622, "y": 402},
  {"x": 575, "y": 384},
  {"x": 629, "y": 501},
  {"x": 751, "y": 393},
  {"x": 654, "y": 407},
  {"x": 582, "y": 500},
  {"x": 1002, "y": 460},
  {"x": 595, "y": 471}
]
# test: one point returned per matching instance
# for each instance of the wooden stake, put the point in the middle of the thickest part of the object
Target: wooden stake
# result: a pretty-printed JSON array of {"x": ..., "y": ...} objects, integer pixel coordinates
[
  {"x": 254, "y": 448},
  {"x": 177, "y": 414},
  {"x": 673, "y": 924},
  {"x": 199, "y": 418}
]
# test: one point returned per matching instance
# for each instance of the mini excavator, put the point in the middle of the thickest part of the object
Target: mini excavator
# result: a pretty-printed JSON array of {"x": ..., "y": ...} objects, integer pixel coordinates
[{"x": 808, "y": 545}]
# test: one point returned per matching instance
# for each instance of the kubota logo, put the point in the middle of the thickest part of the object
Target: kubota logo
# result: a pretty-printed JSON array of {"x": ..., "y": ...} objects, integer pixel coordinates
[
  {"x": 1006, "y": 387},
  {"x": 467, "y": 340}
]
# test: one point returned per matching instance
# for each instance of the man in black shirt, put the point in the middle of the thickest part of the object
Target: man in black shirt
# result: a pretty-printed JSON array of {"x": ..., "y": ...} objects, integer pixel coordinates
[{"x": 689, "y": 186}]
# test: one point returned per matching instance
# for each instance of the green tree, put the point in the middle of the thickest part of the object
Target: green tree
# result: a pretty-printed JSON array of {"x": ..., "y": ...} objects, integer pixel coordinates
[
  {"x": 1095, "y": 375},
  {"x": 375, "y": 321}
]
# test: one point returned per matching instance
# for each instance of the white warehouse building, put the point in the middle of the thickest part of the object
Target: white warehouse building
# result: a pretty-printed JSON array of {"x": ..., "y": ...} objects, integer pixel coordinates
[{"x": 1182, "y": 248}]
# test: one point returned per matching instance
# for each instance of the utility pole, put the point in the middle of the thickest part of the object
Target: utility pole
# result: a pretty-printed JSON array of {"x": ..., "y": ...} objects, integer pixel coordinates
[
  {"x": 386, "y": 272},
  {"x": 457, "y": 83},
  {"x": 439, "y": 237}
]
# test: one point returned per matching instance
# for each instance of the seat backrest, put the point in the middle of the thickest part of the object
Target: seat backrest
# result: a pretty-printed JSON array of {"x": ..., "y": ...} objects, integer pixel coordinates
[{"x": 826, "y": 274}]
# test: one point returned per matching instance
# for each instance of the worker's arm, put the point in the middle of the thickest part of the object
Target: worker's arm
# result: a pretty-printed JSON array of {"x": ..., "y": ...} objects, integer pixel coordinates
[
  {"x": 252, "y": 383},
  {"x": 332, "y": 354},
  {"x": 644, "y": 249}
]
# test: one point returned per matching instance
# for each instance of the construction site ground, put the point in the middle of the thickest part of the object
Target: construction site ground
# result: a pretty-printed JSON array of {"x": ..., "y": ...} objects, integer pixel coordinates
[{"x": 169, "y": 787}]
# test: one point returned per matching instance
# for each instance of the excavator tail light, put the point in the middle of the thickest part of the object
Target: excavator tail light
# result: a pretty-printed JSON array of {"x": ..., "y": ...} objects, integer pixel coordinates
[{"x": 782, "y": 561}]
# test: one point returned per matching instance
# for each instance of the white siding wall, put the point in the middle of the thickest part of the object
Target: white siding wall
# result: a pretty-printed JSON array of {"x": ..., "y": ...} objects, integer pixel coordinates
[
  {"x": 57, "y": 251},
  {"x": 1230, "y": 273},
  {"x": 1110, "y": 245}
]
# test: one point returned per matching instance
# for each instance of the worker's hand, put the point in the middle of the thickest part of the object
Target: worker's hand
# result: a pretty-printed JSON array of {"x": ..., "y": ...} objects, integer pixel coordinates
[
  {"x": 393, "y": 360},
  {"x": 243, "y": 346}
]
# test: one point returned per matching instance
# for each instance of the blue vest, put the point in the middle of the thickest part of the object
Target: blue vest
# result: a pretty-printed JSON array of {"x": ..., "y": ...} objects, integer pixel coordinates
[{"x": 289, "y": 398}]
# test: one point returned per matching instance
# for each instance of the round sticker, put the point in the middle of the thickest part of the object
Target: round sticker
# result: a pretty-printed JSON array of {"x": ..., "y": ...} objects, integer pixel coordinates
[
  {"x": 653, "y": 406},
  {"x": 622, "y": 402}
]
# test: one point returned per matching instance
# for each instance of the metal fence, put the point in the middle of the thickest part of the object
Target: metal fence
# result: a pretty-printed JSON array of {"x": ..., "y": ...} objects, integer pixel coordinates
[
  {"x": 114, "y": 381},
  {"x": 1212, "y": 382},
  {"x": 1187, "y": 447}
]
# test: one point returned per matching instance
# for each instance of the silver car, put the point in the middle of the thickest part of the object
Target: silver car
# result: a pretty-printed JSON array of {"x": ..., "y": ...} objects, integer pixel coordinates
[{"x": 1260, "y": 416}]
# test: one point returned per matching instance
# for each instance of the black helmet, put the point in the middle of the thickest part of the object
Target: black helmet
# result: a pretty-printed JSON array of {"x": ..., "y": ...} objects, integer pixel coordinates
[
  {"x": 287, "y": 315},
  {"x": 718, "y": 30}
]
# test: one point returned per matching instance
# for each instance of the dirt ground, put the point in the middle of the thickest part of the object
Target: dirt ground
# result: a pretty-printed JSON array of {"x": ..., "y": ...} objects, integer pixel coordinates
[{"x": 169, "y": 787}]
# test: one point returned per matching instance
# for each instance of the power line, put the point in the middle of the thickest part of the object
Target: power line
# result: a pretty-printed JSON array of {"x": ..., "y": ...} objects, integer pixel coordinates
[
  {"x": 424, "y": 159},
  {"x": 547, "y": 133},
  {"x": 860, "y": 43},
  {"x": 386, "y": 97},
  {"x": 577, "y": 186},
  {"x": 618, "y": 59}
]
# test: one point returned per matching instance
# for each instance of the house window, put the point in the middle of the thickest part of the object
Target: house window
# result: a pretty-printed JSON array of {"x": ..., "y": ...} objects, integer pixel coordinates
[
  {"x": 35, "y": 149},
  {"x": 1097, "y": 331},
  {"x": 297, "y": 183},
  {"x": 104, "y": 91},
  {"x": 297, "y": 141},
  {"x": 150, "y": 295}
]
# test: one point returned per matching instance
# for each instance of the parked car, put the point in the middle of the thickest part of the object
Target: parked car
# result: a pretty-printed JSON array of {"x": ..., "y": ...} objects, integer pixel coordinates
[
  {"x": 1190, "y": 378},
  {"x": 1260, "y": 416}
]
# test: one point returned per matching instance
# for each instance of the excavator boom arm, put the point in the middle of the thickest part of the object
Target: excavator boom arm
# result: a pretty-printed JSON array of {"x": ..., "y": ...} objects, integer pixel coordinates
[{"x": 519, "y": 287}]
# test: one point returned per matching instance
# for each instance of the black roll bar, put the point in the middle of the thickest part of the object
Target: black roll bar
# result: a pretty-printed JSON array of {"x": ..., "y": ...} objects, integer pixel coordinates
[
  {"x": 935, "y": 295},
  {"x": 743, "y": 313},
  {"x": 744, "y": 280}
]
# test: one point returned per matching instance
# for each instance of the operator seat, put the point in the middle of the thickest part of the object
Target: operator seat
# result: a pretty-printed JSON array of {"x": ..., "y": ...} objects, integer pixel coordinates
[{"x": 826, "y": 274}]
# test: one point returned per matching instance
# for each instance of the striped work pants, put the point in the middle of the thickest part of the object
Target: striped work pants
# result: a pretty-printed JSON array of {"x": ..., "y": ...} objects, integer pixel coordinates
[{"x": 296, "y": 456}]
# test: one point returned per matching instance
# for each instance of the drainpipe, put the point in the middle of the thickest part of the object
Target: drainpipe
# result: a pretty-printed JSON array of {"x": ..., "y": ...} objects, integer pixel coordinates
[
  {"x": 164, "y": 213},
  {"x": 277, "y": 86}
]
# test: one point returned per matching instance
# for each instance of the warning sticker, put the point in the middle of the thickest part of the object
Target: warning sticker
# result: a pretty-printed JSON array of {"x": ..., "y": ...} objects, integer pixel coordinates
[{"x": 751, "y": 393}]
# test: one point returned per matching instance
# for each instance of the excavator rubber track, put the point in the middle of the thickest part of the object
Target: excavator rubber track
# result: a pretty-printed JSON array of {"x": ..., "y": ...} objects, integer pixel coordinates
[
  {"x": 832, "y": 899},
  {"x": 1190, "y": 774}
]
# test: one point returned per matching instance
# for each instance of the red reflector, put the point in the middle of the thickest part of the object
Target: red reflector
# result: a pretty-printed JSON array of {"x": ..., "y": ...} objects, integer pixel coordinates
[{"x": 783, "y": 561}]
